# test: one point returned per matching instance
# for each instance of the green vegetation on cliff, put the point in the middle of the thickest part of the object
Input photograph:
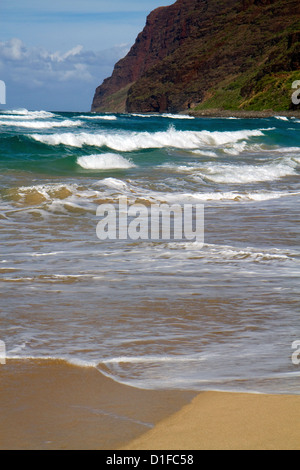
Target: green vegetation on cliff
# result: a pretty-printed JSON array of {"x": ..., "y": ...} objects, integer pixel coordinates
[{"x": 210, "y": 54}]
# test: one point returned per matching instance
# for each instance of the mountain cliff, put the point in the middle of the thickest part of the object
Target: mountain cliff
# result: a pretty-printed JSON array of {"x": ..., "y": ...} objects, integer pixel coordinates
[{"x": 209, "y": 54}]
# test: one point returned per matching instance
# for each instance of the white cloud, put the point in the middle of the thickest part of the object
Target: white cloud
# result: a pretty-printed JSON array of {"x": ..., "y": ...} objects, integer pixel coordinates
[
  {"x": 59, "y": 57},
  {"x": 55, "y": 75},
  {"x": 12, "y": 50}
]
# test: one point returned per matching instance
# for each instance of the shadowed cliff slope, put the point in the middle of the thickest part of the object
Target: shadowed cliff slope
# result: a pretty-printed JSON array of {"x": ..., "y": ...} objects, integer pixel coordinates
[{"x": 209, "y": 54}]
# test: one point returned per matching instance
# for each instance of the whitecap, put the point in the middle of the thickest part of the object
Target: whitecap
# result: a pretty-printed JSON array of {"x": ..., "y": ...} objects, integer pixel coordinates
[
  {"x": 281, "y": 118},
  {"x": 164, "y": 115},
  {"x": 106, "y": 161},
  {"x": 106, "y": 117},
  {"x": 176, "y": 116},
  {"x": 115, "y": 184}
]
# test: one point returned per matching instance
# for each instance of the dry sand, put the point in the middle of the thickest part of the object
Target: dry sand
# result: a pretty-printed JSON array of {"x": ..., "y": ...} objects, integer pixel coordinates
[{"x": 228, "y": 421}]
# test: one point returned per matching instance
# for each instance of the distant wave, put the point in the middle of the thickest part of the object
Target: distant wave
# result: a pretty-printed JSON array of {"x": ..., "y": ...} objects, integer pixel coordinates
[
  {"x": 106, "y": 117},
  {"x": 30, "y": 114},
  {"x": 165, "y": 115},
  {"x": 41, "y": 124},
  {"x": 177, "y": 116},
  {"x": 281, "y": 118}
]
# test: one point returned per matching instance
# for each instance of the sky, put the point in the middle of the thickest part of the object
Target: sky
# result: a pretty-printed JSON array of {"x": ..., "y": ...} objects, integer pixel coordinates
[{"x": 53, "y": 54}]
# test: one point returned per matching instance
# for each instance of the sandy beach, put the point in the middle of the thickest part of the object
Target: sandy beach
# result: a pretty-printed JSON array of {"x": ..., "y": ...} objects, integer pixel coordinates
[
  {"x": 49, "y": 405},
  {"x": 228, "y": 421}
]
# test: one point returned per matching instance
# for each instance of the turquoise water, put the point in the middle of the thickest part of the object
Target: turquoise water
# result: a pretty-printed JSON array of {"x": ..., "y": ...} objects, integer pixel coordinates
[{"x": 153, "y": 314}]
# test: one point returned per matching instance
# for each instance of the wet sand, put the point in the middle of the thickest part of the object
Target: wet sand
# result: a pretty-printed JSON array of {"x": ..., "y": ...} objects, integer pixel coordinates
[
  {"x": 50, "y": 404},
  {"x": 53, "y": 405},
  {"x": 228, "y": 421}
]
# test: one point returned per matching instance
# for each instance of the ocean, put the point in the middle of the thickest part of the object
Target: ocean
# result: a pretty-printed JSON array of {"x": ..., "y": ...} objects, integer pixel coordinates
[{"x": 152, "y": 314}]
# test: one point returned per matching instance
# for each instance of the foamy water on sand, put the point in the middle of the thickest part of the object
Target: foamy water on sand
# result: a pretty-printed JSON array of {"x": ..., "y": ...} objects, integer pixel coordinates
[{"x": 153, "y": 314}]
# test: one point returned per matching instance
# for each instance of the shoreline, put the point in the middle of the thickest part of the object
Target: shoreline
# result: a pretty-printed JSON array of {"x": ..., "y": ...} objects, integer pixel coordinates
[
  {"x": 228, "y": 421},
  {"x": 222, "y": 113},
  {"x": 216, "y": 113}
]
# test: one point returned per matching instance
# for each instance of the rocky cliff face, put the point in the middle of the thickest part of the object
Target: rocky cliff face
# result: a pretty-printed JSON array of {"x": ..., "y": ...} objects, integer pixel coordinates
[{"x": 203, "y": 54}]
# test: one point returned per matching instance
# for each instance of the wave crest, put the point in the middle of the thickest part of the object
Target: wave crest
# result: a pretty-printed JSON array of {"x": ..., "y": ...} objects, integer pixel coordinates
[{"x": 128, "y": 142}]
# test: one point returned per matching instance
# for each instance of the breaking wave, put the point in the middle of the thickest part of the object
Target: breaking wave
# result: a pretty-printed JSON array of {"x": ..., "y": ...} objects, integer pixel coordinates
[
  {"x": 239, "y": 174},
  {"x": 128, "y": 142}
]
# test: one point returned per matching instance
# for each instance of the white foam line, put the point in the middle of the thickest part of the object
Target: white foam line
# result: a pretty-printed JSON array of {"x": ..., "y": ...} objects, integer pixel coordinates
[
  {"x": 151, "y": 359},
  {"x": 74, "y": 362}
]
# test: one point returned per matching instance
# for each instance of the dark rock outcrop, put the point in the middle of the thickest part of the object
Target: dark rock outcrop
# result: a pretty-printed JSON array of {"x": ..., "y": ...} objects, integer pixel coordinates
[{"x": 203, "y": 54}]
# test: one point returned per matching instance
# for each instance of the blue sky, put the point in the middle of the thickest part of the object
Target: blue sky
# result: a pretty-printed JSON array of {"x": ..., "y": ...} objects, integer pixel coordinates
[{"x": 53, "y": 54}]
